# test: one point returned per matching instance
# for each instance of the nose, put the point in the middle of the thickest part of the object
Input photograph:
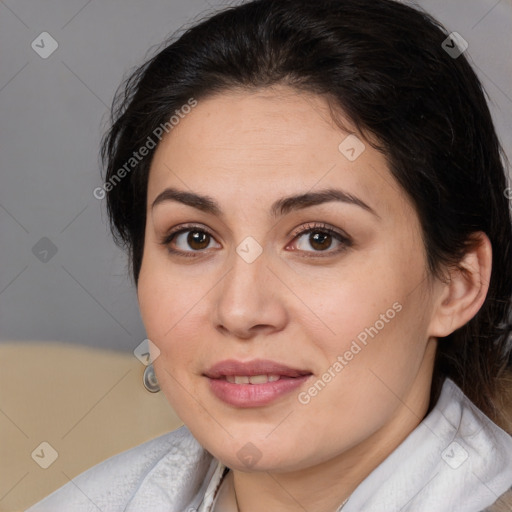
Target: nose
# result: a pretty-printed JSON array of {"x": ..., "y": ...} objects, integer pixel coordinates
[{"x": 249, "y": 300}]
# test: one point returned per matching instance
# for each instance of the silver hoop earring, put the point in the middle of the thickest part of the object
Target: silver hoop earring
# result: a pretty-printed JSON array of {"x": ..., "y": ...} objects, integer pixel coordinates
[{"x": 149, "y": 379}]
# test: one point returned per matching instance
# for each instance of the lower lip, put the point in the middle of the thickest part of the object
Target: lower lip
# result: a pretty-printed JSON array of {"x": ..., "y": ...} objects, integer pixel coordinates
[{"x": 254, "y": 395}]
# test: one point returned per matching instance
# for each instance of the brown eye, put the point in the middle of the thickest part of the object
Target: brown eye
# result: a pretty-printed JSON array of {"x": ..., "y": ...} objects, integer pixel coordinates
[
  {"x": 318, "y": 240},
  {"x": 321, "y": 238},
  {"x": 195, "y": 241}
]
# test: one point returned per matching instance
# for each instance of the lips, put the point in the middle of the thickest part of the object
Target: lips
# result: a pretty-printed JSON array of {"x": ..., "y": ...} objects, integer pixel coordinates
[
  {"x": 255, "y": 383},
  {"x": 256, "y": 367}
]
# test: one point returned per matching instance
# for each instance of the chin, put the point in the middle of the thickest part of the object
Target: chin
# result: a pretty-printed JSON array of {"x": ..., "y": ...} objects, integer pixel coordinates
[{"x": 253, "y": 455}]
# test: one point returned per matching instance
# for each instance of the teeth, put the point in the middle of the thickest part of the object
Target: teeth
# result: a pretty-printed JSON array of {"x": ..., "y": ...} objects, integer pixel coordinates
[
  {"x": 253, "y": 379},
  {"x": 258, "y": 379}
]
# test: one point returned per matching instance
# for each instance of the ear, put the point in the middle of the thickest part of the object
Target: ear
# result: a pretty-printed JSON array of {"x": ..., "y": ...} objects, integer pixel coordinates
[{"x": 459, "y": 300}]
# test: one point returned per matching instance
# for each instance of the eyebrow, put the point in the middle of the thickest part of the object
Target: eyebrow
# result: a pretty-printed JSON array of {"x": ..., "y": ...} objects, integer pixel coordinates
[{"x": 279, "y": 208}]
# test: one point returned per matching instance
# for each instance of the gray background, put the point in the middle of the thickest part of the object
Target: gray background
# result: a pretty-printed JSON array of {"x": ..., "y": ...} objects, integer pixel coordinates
[{"x": 53, "y": 112}]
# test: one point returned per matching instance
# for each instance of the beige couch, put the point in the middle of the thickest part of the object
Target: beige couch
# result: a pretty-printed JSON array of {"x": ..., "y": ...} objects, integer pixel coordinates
[{"x": 87, "y": 404}]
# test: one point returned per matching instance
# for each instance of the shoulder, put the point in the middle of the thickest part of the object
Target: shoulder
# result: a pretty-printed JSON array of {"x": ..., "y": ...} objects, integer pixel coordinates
[
  {"x": 504, "y": 401},
  {"x": 504, "y": 502},
  {"x": 111, "y": 484}
]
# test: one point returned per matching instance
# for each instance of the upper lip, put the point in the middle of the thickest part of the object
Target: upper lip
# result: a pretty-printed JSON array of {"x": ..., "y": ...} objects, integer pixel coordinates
[{"x": 255, "y": 367}]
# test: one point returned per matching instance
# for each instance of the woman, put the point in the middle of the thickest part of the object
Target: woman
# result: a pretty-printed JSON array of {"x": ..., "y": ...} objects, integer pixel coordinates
[{"x": 314, "y": 205}]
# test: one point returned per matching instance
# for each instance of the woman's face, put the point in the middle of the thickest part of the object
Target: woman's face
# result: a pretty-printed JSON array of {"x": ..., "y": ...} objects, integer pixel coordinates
[{"x": 348, "y": 311}]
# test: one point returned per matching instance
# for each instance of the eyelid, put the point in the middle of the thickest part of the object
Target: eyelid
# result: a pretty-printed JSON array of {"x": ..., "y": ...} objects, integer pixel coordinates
[
  {"x": 321, "y": 226},
  {"x": 169, "y": 235}
]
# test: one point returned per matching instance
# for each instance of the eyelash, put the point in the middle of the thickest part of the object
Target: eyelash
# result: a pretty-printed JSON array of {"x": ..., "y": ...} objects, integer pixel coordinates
[{"x": 345, "y": 240}]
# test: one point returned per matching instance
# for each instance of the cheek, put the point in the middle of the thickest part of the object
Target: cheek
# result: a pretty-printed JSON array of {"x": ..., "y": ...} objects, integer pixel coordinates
[
  {"x": 350, "y": 304},
  {"x": 163, "y": 297},
  {"x": 363, "y": 382},
  {"x": 377, "y": 332},
  {"x": 168, "y": 306},
  {"x": 165, "y": 321},
  {"x": 379, "y": 298}
]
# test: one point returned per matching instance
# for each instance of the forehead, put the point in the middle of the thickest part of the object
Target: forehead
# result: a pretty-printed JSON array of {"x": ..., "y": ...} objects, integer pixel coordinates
[{"x": 271, "y": 141}]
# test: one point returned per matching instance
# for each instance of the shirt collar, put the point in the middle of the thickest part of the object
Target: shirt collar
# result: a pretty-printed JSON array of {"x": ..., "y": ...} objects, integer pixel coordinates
[{"x": 455, "y": 460}]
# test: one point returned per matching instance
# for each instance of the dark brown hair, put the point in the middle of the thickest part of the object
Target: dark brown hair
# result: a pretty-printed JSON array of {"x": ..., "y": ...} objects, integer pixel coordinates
[{"x": 384, "y": 64}]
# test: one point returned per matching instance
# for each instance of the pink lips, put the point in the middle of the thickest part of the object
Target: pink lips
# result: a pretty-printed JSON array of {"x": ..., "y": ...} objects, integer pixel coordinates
[{"x": 253, "y": 395}]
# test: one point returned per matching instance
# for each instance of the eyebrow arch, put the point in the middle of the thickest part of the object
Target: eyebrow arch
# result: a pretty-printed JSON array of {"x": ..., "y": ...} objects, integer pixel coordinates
[{"x": 279, "y": 208}]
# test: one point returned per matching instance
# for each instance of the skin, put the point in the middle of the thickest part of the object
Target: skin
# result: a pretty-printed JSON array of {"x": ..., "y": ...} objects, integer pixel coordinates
[{"x": 246, "y": 150}]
